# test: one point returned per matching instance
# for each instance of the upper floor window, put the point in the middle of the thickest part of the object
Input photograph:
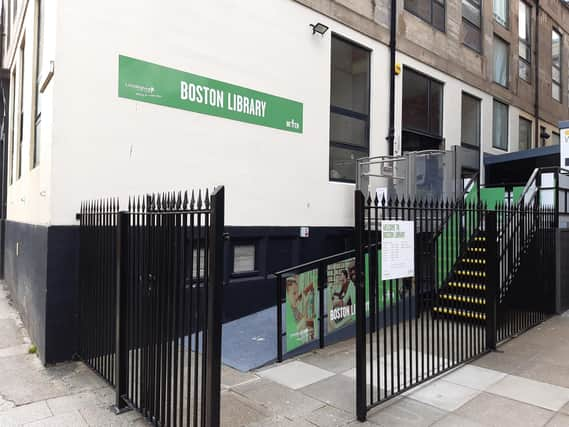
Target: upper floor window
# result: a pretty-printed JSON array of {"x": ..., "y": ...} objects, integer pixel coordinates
[
  {"x": 524, "y": 33},
  {"x": 349, "y": 108},
  {"x": 556, "y": 65},
  {"x": 500, "y": 126},
  {"x": 524, "y": 134},
  {"x": 501, "y": 61},
  {"x": 471, "y": 24},
  {"x": 501, "y": 12},
  {"x": 470, "y": 123},
  {"x": 432, "y": 11}
]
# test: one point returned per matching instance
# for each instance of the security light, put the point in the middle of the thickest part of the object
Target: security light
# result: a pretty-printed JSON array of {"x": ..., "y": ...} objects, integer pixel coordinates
[{"x": 319, "y": 28}]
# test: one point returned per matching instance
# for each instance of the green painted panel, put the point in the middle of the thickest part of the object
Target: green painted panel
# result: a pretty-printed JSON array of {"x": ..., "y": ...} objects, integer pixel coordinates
[
  {"x": 492, "y": 196},
  {"x": 517, "y": 193}
]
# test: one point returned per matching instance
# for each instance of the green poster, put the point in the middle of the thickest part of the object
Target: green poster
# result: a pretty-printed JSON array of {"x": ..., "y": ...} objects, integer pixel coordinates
[
  {"x": 341, "y": 294},
  {"x": 301, "y": 309},
  {"x": 386, "y": 289},
  {"x": 156, "y": 84}
]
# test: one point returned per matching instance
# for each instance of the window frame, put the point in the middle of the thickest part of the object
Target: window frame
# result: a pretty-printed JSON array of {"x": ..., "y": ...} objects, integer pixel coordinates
[
  {"x": 350, "y": 113},
  {"x": 20, "y": 141},
  {"x": 494, "y": 102},
  {"x": 430, "y": 80},
  {"x": 469, "y": 22},
  {"x": 430, "y": 20},
  {"x": 39, "y": 40},
  {"x": 527, "y": 43},
  {"x": 479, "y": 130},
  {"x": 555, "y": 82},
  {"x": 530, "y": 133},
  {"x": 249, "y": 273},
  {"x": 12, "y": 124},
  {"x": 505, "y": 24},
  {"x": 507, "y": 85}
]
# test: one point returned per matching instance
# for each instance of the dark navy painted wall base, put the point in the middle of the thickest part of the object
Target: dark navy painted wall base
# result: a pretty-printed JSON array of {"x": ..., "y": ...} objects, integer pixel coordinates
[{"x": 43, "y": 277}]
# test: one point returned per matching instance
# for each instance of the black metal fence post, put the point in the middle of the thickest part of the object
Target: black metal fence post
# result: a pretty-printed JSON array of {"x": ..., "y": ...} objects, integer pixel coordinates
[
  {"x": 215, "y": 303},
  {"x": 492, "y": 278},
  {"x": 279, "y": 291},
  {"x": 361, "y": 401},
  {"x": 121, "y": 358}
]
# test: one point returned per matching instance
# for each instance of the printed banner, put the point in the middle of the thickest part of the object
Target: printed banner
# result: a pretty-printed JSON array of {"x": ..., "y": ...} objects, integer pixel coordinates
[
  {"x": 301, "y": 309},
  {"x": 156, "y": 84},
  {"x": 341, "y": 294}
]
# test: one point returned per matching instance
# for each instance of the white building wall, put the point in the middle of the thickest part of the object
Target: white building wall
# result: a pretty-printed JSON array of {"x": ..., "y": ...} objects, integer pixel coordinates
[
  {"x": 105, "y": 145},
  {"x": 29, "y": 196}
]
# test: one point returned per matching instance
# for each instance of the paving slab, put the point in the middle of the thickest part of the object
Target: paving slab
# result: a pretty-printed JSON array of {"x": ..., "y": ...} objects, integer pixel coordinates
[
  {"x": 329, "y": 416},
  {"x": 406, "y": 413},
  {"x": 453, "y": 420},
  {"x": 492, "y": 410},
  {"x": 278, "y": 399},
  {"x": 237, "y": 411},
  {"x": 337, "y": 391},
  {"x": 535, "y": 393},
  {"x": 25, "y": 414},
  {"x": 70, "y": 419},
  {"x": 474, "y": 377},
  {"x": 336, "y": 362},
  {"x": 105, "y": 417},
  {"x": 444, "y": 395},
  {"x": 558, "y": 420},
  {"x": 295, "y": 374}
]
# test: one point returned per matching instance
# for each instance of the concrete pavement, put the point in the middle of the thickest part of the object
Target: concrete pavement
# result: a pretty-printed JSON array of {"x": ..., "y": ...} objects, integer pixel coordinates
[{"x": 525, "y": 383}]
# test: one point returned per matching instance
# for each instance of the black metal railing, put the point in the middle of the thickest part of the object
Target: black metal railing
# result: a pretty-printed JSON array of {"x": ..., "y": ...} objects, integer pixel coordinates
[
  {"x": 526, "y": 266},
  {"x": 150, "y": 298},
  {"x": 480, "y": 276}
]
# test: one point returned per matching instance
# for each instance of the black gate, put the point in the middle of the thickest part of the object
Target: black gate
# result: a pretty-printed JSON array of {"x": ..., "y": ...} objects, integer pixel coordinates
[
  {"x": 470, "y": 289},
  {"x": 150, "y": 303}
]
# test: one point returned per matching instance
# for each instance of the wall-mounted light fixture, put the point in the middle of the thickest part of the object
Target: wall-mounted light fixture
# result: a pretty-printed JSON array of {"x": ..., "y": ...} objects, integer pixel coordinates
[{"x": 319, "y": 28}]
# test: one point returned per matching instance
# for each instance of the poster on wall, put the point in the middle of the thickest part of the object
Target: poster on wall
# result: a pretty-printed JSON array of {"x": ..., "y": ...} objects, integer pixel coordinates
[
  {"x": 397, "y": 249},
  {"x": 301, "y": 309},
  {"x": 564, "y": 145},
  {"x": 341, "y": 294}
]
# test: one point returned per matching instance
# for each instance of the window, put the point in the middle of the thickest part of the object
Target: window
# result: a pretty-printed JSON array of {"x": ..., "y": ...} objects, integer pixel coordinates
[
  {"x": 500, "y": 126},
  {"x": 524, "y": 33},
  {"x": 20, "y": 113},
  {"x": 543, "y": 135},
  {"x": 244, "y": 258},
  {"x": 470, "y": 124},
  {"x": 471, "y": 24},
  {"x": 556, "y": 65},
  {"x": 37, "y": 107},
  {"x": 12, "y": 141},
  {"x": 349, "y": 109},
  {"x": 501, "y": 12},
  {"x": 501, "y": 67},
  {"x": 432, "y": 11},
  {"x": 524, "y": 134},
  {"x": 555, "y": 138},
  {"x": 422, "y": 112},
  {"x": 198, "y": 264}
]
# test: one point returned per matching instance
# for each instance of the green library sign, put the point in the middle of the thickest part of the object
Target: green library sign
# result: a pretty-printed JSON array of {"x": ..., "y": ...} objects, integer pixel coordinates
[{"x": 148, "y": 82}]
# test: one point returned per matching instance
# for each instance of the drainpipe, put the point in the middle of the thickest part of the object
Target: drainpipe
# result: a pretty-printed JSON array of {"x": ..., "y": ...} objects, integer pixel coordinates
[
  {"x": 536, "y": 78},
  {"x": 392, "y": 48}
]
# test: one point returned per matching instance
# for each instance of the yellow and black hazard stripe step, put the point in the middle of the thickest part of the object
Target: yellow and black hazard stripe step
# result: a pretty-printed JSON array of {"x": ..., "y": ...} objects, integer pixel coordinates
[
  {"x": 463, "y": 298},
  {"x": 461, "y": 313},
  {"x": 473, "y": 261},
  {"x": 471, "y": 249},
  {"x": 480, "y": 239},
  {"x": 472, "y": 286},
  {"x": 471, "y": 273}
]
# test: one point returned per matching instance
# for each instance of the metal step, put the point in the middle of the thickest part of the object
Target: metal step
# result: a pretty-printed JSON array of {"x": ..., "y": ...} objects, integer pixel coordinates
[
  {"x": 463, "y": 299},
  {"x": 461, "y": 313},
  {"x": 469, "y": 286}
]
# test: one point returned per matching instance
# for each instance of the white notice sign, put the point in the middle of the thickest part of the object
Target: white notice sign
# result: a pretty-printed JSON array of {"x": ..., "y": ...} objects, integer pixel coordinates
[
  {"x": 397, "y": 249},
  {"x": 564, "y": 148}
]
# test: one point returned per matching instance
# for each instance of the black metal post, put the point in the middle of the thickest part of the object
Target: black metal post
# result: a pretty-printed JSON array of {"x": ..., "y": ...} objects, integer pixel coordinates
[
  {"x": 361, "y": 401},
  {"x": 215, "y": 303},
  {"x": 279, "y": 318},
  {"x": 121, "y": 358},
  {"x": 322, "y": 279},
  {"x": 492, "y": 279}
]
